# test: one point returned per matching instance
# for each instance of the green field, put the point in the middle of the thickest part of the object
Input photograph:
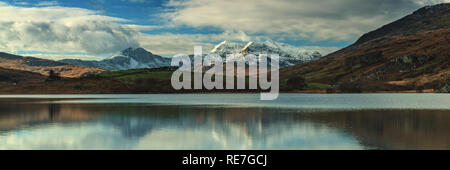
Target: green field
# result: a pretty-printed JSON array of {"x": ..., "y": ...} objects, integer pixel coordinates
[{"x": 311, "y": 86}]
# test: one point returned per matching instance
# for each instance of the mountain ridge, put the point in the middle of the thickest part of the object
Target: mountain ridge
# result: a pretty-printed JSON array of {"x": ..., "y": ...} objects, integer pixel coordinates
[
  {"x": 130, "y": 58},
  {"x": 289, "y": 55},
  {"x": 425, "y": 18},
  {"x": 397, "y": 59},
  {"x": 43, "y": 66}
]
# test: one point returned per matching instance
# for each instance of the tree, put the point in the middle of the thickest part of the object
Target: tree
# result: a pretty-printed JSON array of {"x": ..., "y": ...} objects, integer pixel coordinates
[
  {"x": 52, "y": 75},
  {"x": 297, "y": 83}
]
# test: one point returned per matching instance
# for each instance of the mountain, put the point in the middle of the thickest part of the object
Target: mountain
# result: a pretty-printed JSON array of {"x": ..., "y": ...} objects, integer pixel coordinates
[
  {"x": 134, "y": 58},
  {"x": 289, "y": 55},
  {"x": 43, "y": 66},
  {"x": 130, "y": 58},
  {"x": 412, "y": 53},
  {"x": 427, "y": 18}
]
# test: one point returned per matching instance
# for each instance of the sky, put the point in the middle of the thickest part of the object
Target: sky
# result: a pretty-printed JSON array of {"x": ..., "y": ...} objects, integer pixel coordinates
[{"x": 96, "y": 29}]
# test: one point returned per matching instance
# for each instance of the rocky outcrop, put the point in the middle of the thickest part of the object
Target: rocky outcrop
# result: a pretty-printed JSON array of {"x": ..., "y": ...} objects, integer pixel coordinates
[{"x": 402, "y": 64}]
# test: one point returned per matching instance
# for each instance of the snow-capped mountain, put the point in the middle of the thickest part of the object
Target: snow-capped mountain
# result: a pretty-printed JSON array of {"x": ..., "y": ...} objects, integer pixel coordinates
[
  {"x": 289, "y": 55},
  {"x": 130, "y": 58},
  {"x": 133, "y": 58}
]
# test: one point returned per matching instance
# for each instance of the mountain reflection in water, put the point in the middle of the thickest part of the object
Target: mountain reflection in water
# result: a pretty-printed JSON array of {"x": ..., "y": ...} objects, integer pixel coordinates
[{"x": 148, "y": 126}]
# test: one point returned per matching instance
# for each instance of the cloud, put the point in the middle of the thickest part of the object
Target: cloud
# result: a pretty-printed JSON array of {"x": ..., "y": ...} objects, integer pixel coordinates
[
  {"x": 18, "y": 3},
  {"x": 62, "y": 29},
  {"x": 144, "y": 27},
  {"x": 170, "y": 44},
  {"x": 46, "y": 27},
  {"x": 322, "y": 50},
  {"x": 322, "y": 20},
  {"x": 430, "y": 2},
  {"x": 47, "y": 3},
  {"x": 65, "y": 56}
]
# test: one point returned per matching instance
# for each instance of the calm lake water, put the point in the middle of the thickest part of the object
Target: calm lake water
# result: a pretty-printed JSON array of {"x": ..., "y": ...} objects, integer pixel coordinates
[{"x": 225, "y": 121}]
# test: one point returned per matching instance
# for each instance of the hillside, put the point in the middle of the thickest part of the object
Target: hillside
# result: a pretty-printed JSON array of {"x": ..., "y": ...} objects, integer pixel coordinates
[
  {"x": 10, "y": 76},
  {"x": 412, "y": 53},
  {"x": 426, "y": 18},
  {"x": 43, "y": 66}
]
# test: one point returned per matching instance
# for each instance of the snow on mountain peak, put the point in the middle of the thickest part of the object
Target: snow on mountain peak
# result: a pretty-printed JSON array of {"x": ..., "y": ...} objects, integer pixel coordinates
[
  {"x": 244, "y": 50},
  {"x": 289, "y": 55},
  {"x": 130, "y": 58},
  {"x": 218, "y": 46}
]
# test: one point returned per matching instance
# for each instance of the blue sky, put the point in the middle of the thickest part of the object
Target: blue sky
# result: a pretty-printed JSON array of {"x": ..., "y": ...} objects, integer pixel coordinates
[{"x": 95, "y": 29}]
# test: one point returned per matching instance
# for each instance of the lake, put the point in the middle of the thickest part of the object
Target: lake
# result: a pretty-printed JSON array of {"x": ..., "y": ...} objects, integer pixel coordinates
[{"x": 225, "y": 121}]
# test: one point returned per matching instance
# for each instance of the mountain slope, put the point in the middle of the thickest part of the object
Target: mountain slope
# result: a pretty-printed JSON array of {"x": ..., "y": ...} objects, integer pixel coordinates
[
  {"x": 426, "y": 18},
  {"x": 409, "y": 54},
  {"x": 43, "y": 66},
  {"x": 16, "y": 76},
  {"x": 129, "y": 58},
  {"x": 289, "y": 55}
]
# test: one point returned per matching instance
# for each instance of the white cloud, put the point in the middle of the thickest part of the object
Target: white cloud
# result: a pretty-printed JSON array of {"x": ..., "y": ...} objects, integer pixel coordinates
[
  {"x": 144, "y": 27},
  {"x": 295, "y": 19},
  {"x": 19, "y": 3},
  {"x": 62, "y": 29},
  {"x": 322, "y": 50},
  {"x": 49, "y": 28},
  {"x": 47, "y": 3},
  {"x": 65, "y": 56},
  {"x": 170, "y": 44},
  {"x": 430, "y": 2}
]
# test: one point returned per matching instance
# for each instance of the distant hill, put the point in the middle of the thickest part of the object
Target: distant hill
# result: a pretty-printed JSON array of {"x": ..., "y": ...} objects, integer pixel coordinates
[
  {"x": 15, "y": 76},
  {"x": 412, "y": 53},
  {"x": 43, "y": 66},
  {"x": 130, "y": 58}
]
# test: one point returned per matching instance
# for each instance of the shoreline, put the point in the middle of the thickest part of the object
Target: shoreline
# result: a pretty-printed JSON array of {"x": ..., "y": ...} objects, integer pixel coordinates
[
  {"x": 27, "y": 96},
  {"x": 217, "y": 92}
]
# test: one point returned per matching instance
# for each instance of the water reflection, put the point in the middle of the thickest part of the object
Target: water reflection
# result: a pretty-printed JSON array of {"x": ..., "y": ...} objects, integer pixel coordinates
[{"x": 146, "y": 126}]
